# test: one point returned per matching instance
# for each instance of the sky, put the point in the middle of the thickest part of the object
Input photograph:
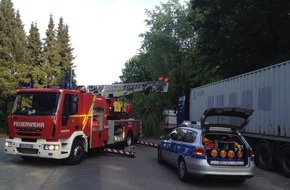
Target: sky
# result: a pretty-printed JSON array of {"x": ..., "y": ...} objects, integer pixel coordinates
[{"x": 103, "y": 33}]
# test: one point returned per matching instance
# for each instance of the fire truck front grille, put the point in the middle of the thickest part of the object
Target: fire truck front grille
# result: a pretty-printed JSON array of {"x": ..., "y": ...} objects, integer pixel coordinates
[
  {"x": 28, "y": 132},
  {"x": 27, "y": 151},
  {"x": 28, "y": 140}
]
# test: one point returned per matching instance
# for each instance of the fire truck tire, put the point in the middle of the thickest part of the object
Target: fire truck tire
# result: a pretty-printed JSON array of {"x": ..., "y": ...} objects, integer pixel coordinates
[
  {"x": 265, "y": 157},
  {"x": 284, "y": 161},
  {"x": 182, "y": 170},
  {"x": 129, "y": 139},
  {"x": 77, "y": 153}
]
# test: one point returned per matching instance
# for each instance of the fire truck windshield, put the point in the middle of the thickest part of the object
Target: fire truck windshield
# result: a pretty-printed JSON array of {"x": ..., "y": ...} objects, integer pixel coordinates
[{"x": 35, "y": 104}]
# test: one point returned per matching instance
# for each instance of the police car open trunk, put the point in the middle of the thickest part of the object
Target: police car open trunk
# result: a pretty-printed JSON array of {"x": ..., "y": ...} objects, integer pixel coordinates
[{"x": 222, "y": 139}]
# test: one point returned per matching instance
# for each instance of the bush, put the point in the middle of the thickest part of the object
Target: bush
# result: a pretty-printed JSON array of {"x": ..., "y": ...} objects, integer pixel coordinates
[{"x": 152, "y": 127}]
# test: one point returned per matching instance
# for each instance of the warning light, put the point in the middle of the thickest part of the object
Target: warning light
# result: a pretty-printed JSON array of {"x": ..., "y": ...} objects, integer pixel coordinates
[
  {"x": 30, "y": 85},
  {"x": 164, "y": 79},
  {"x": 67, "y": 85}
]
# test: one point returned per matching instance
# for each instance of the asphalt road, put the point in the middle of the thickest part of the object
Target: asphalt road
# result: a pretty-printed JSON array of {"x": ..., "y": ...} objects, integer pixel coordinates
[{"x": 105, "y": 171}]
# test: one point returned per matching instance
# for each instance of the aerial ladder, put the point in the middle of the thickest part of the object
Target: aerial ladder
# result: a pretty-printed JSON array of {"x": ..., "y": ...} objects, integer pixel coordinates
[{"x": 123, "y": 89}]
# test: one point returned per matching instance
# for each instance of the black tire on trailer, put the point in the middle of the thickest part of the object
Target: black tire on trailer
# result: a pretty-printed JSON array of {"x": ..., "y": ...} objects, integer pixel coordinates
[
  {"x": 182, "y": 171},
  {"x": 77, "y": 153},
  {"x": 284, "y": 161},
  {"x": 129, "y": 139},
  {"x": 265, "y": 156},
  {"x": 159, "y": 156}
]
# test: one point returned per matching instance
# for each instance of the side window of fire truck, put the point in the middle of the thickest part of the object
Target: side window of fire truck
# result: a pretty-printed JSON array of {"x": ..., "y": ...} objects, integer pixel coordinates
[
  {"x": 98, "y": 118},
  {"x": 70, "y": 107},
  {"x": 70, "y": 104}
]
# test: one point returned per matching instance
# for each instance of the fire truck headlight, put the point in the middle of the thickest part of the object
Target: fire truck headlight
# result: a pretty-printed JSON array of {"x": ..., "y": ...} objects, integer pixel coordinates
[
  {"x": 51, "y": 147},
  {"x": 8, "y": 144}
]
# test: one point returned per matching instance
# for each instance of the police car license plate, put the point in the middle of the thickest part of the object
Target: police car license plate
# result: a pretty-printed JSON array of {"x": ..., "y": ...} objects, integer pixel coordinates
[{"x": 227, "y": 162}]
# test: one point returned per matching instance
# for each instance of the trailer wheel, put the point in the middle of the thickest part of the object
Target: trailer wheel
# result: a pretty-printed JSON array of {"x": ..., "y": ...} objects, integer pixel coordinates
[
  {"x": 264, "y": 155},
  {"x": 182, "y": 171},
  {"x": 159, "y": 156},
  {"x": 284, "y": 161},
  {"x": 129, "y": 139},
  {"x": 77, "y": 153}
]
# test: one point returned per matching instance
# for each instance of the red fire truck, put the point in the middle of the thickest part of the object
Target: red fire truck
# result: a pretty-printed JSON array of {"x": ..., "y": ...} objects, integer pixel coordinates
[{"x": 65, "y": 124}]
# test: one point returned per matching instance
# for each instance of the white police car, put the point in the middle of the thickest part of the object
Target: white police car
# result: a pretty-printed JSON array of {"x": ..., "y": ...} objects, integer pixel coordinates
[{"x": 215, "y": 148}]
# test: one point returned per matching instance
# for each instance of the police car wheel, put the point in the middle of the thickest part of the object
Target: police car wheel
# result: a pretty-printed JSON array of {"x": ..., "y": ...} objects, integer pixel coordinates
[
  {"x": 182, "y": 171},
  {"x": 159, "y": 156}
]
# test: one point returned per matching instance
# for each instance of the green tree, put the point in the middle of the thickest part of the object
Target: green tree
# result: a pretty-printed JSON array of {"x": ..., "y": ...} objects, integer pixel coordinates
[
  {"x": 169, "y": 44},
  {"x": 166, "y": 50},
  {"x": 52, "y": 58},
  {"x": 136, "y": 70},
  {"x": 239, "y": 36},
  {"x": 66, "y": 54},
  {"x": 13, "y": 57},
  {"x": 12, "y": 49},
  {"x": 149, "y": 108},
  {"x": 36, "y": 59}
]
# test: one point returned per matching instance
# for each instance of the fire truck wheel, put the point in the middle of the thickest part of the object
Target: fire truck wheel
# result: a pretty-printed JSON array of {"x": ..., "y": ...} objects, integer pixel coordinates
[
  {"x": 129, "y": 139},
  {"x": 77, "y": 153}
]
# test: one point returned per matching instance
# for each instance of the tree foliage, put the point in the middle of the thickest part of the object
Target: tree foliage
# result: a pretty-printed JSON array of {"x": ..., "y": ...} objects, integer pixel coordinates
[
  {"x": 11, "y": 50},
  {"x": 36, "y": 58},
  {"x": 136, "y": 70},
  {"x": 240, "y": 36},
  {"x": 27, "y": 59},
  {"x": 168, "y": 44},
  {"x": 166, "y": 51},
  {"x": 65, "y": 53}
]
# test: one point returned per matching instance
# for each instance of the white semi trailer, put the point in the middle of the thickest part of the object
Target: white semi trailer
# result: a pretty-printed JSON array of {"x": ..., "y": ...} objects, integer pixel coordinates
[{"x": 267, "y": 91}]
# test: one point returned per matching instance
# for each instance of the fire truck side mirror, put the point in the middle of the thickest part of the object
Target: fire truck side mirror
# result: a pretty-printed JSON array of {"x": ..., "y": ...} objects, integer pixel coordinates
[
  {"x": 81, "y": 88},
  {"x": 8, "y": 103}
]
